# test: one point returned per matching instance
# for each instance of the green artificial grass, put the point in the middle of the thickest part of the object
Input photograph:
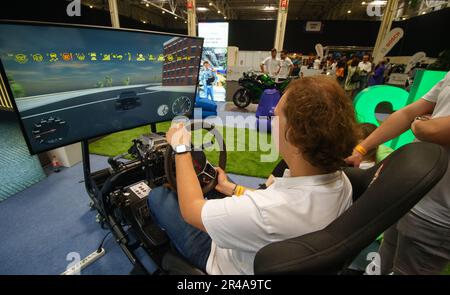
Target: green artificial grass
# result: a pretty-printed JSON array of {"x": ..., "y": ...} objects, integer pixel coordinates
[{"x": 240, "y": 159}]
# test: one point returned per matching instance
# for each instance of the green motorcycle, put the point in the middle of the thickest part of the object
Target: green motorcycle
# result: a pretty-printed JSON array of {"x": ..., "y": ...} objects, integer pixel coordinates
[{"x": 252, "y": 86}]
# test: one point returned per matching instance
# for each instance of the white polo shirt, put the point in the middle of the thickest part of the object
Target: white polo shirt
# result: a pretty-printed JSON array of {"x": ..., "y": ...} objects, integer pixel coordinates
[
  {"x": 435, "y": 206},
  {"x": 365, "y": 66},
  {"x": 284, "y": 67},
  {"x": 271, "y": 66},
  {"x": 290, "y": 207}
]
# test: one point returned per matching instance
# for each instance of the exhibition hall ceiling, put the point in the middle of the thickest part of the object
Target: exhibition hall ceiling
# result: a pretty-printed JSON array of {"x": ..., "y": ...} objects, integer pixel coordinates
[{"x": 215, "y": 10}]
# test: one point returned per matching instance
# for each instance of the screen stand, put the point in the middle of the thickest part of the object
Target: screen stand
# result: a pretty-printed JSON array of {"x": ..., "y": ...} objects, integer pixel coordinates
[
  {"x": 98, "y": 203},
  {"x": 87, "y": 168},
  {"x": 153, "y": 127}
]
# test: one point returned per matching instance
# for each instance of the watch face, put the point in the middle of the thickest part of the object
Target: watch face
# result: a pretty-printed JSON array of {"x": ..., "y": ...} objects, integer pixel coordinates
[{"x": 180, "y": 149}]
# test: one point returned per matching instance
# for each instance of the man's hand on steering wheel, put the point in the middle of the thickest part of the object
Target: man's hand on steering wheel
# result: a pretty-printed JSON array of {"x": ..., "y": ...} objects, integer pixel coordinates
[
  {"x": 224, "y": 186},
  {"x": 178, "y": 135}
]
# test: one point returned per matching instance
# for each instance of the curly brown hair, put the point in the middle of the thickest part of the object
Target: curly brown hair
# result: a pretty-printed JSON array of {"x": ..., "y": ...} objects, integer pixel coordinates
[{"x": 321, "y": 121}]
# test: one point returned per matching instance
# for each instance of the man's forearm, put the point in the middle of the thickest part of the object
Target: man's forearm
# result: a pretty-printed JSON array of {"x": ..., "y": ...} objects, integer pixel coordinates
[
  {"x": 434, "y": 130},
  {"x": 397, "y": 123},
  {"x": 190, "y": 195}
]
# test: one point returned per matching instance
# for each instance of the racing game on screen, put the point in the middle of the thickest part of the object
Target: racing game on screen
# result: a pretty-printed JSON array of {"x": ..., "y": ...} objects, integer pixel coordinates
[{"x": 74, "y": 83}]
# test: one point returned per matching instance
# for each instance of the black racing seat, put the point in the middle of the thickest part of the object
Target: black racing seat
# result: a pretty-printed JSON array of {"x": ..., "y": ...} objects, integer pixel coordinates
[{"x": 406, "y": 176}]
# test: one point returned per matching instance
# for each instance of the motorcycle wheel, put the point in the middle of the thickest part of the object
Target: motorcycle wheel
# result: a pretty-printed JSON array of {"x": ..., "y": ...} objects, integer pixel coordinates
[{"x": 241, "y": 98}]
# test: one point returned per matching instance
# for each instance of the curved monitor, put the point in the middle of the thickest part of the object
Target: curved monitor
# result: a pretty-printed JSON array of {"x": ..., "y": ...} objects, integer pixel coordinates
[{"x": 70, "y": 83}]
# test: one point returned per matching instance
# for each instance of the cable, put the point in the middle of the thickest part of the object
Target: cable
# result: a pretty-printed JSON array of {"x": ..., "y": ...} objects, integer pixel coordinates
[{"x": 99, "y": 249}]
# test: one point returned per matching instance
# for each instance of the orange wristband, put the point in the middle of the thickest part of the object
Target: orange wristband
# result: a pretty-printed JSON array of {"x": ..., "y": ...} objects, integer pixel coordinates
[
  {"x": 239, "y": 190},
  {"x": 360, "y": 149}
]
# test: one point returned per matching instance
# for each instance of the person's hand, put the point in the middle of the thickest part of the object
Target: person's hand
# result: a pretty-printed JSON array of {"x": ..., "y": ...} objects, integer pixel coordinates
[
  {"x": 178, "y": 135},
  {"x": 417, "y": 121},
  {"x": 355, "y": 159},
  {"x": 224, "y": 186}
]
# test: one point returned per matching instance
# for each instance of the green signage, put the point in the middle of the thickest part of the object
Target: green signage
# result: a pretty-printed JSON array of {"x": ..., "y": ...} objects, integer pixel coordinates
[{"x": 368, "y": 99}]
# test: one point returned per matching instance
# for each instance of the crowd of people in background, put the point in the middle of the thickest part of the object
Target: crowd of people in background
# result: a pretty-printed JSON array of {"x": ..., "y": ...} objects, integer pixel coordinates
[{"x": 354, "y": 73}]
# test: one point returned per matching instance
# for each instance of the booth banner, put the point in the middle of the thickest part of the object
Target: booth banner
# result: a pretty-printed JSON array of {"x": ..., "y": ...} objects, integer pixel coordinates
[
  {"x": 390, "y": 40},
  {"x": 417, "y": 57},
  {"x": 319, "y": 50},
  {"x": 215, "y": 34},
  {"x": 398, "y": 79},
  {"x": 215, "y": 52},
  {"x": 313, "y": 26}
]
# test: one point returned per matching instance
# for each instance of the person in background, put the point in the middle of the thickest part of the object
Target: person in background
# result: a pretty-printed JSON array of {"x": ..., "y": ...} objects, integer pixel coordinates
[
  {"x": 420, "y": 241},
  {"x": 271, "y": 65},
  {"x": 316, "y": 64},
  {"x": 352, "y": 80},
  {"x": 378, "y": 74},
  {"x": 340, "y": 71},
  {"x": 286, "y": 66},
  {"x": 208, "y": 78},
  {"x": 350, "y": 59},
  {"x": 296, "y": 68},
  {"x": 333, "y": 67},
  {"x": 365, "y": 68},
  {"x": 387, "y": 69}
]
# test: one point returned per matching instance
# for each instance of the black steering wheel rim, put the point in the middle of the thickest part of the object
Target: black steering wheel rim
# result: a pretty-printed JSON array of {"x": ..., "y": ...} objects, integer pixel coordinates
[{"x": 169, "y": 156}]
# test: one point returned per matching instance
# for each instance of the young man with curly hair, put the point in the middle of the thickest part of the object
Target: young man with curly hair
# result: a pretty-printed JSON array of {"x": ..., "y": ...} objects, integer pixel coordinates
[{"x": 315, "y": 130}]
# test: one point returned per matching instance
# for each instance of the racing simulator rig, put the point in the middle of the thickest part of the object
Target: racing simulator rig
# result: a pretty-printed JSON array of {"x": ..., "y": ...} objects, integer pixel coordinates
[{"x": 74, "y": 83}]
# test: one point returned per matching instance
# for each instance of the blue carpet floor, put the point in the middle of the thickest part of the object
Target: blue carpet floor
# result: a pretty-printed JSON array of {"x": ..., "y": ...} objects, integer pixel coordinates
[
  {"x": 18, "y": 170},
  {"x": 40, "y": 225}
]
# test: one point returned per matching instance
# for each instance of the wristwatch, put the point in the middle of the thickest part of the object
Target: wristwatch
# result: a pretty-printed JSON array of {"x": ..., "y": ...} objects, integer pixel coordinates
[{"x": 181, "y": 149}]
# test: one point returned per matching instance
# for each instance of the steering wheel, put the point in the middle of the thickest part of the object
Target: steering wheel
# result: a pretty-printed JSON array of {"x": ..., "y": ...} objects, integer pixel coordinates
[{"x": 206, "y": 173}]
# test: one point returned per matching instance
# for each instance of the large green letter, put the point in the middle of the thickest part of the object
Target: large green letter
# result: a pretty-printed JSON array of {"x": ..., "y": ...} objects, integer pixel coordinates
[{"x": 368, "y": 99}]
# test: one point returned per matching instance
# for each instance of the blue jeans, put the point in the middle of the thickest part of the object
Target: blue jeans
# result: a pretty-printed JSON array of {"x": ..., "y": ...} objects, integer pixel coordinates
[
  {"x": 209, "y": 92},
  {"x": 192, "y": 243}
]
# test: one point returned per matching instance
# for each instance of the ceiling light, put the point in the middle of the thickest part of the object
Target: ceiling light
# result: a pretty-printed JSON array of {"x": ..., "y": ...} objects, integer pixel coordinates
[
  {"x": 163, "y": 12},
  {"x": 378, "y": 3},
  {"x": 185, "y": 22},
  {"x": 269, "y": 7},
  {"x": 210, "y": 3},
  {"x": 363, "y": 3},
  {"x": 224, "y": 17},
  {"x": 423, "y": 12},
  {"x": 218, "y": 11},
  {"x": 146, "y": 4},
  {"x": 144, "y": 21},
  {"x": 90, "y": 6},
  {"x": 202, "y": 9},
  {"x": 175, "y": 17},
  {"x": 349, "y": 11}
]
